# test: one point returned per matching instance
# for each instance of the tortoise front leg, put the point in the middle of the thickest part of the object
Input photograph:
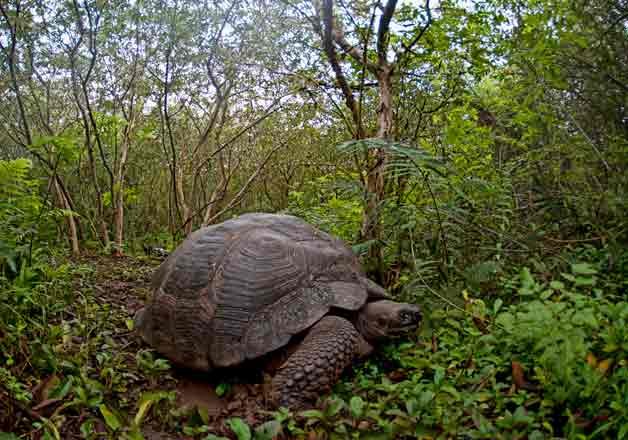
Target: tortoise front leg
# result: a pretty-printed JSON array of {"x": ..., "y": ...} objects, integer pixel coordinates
[{"x": 329, "y": 347}]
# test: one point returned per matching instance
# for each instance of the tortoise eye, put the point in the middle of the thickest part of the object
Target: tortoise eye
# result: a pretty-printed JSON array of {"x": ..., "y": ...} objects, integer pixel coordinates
[{"x": 381, "y": 322}]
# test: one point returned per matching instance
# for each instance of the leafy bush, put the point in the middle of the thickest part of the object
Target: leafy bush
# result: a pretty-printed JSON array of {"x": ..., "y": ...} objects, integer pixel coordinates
[
  {"x": 332, "y": 203},
  {"x": 27, "y": 222},
  {"x": 550, "y": 364}
]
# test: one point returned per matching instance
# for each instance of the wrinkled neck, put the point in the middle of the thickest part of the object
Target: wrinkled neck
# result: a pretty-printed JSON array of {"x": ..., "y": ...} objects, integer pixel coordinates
[{"x": 366, "y": 330}]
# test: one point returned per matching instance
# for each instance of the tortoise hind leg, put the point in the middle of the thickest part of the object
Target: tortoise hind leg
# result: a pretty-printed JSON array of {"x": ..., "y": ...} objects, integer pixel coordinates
[{"x": 329, "y": 347}]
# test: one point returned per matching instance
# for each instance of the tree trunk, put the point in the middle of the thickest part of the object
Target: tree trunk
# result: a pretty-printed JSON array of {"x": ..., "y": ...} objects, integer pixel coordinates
[
  {"x": 11, "y": 56},
  {"x": 214, "y": 204},
  {"x": 371, "y": 224},
  {"x": 180, "y": 184},
  {"x": 220, "y": 190},
  {"x": 63, "y": 202},
  {"x": 100, "y": 208},
  {"x": 218, "y": 193},
  {"x": 119, "y": 202}
]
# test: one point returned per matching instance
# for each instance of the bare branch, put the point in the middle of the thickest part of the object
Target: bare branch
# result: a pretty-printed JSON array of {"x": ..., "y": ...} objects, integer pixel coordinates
[
  {"x": 248, "y": 183},
  {"x": 218, "y": 36},
  {"x": 12, "y": 69},
  {"x": 383, "y": 31},
  {"x": 353, "y": 51},
  {"x": 270, "y": 110},
  {"x": 92, "y": 32},
  {"x": 408, "y": 47},
  {"x": 367, "y": 38},
  {"x": 330, "y": 51},
  {"x": 315, "y": 24},
  {"x": 214, "y": 200},
  {"x": 220, "y": 105}
]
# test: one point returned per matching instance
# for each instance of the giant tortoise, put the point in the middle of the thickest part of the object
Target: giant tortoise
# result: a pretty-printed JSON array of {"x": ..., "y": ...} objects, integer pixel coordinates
[{"x": 263, "y": 283}]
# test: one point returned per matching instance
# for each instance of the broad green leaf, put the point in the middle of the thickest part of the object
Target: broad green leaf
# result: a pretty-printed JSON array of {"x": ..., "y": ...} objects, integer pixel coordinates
[
  {"x": 425, "y": 398},
  {"x": 528, "y": 285},
  {"x": 335, "y": 406},
  {"x": 412, "y": 407},
  {"x": 547, "y": 294},
  {"x": 240, "y": 428},
  {"x": 10, "y": 260},
  {"x": 536, "y": 435},
  {"x": 521, "y": 417},
  {"x": 451, "y": 390},
  {"x": 87, "y": 428},
  {"x": 557, "y": 285},
  {"x": 146, "y": 401},
  {"x": 376, "y": 436},
  {"x": 395, "y": 412},
  {"x": 268, "y": 430},
  {"x": 339, "y": 428},
  {"x": 312, "y": 414},
  {"x": 110, "y": 418},
  {"x": 568, "y": 277},
  {"x": 357, "y": 406},
  {"x": 439, "y": 374},
  {"x": 583, "y": 269},
  {"x": 222, "y": 389},
  {"x": 585, "y": 281},
  {"x": 203, "y": 413},
  {"x": 506, "y": 321},
  {"x": 134, "y": 434}
]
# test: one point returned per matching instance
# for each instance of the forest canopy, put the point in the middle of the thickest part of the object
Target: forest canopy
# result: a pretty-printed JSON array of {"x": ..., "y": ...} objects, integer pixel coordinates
[{"x": 473, "y": 154}]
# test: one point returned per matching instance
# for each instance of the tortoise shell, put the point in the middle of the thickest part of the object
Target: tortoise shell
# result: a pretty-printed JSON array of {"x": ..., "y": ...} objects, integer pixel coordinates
[{"x": 241, "y": 289}]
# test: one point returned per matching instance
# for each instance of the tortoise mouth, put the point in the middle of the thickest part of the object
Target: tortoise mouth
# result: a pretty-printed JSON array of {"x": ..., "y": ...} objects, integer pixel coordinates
[{"x": 403, "y": 330}]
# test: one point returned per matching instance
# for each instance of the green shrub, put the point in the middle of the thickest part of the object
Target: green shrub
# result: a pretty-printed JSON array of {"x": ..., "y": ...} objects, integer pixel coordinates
[
  {"x": 549, "y": 362},
  {"x": 27, "y": 220}
]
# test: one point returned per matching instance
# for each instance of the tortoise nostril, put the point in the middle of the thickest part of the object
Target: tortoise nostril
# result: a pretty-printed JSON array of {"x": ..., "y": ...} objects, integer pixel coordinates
[{"x": 409, "y": 317}]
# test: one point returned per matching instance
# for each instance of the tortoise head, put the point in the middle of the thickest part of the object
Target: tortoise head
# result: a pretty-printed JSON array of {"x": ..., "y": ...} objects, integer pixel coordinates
[{"x": 387, "y": 319}]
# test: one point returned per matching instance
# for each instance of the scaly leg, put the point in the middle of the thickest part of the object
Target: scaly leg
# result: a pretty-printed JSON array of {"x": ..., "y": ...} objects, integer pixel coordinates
[{"x": 329, "y": 347}]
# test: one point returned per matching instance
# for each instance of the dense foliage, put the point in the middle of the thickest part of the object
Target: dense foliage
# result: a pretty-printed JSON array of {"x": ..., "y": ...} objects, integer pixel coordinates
[{"x": 474, "y": 154}]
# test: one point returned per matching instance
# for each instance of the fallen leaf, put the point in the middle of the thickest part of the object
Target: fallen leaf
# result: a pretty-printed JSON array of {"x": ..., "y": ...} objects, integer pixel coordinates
[
  {"x": 519, "y": 380},
  {"x": 591, "y": 360},
  {"x": 604, "y": 365},
  {"x": 42, "y": 391},
  {"x": 518, "y": 377},
  {"x": 397, "y": 375},
  {"x": 45, "y": 403},
  {"x": 480, "y": 324}
]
